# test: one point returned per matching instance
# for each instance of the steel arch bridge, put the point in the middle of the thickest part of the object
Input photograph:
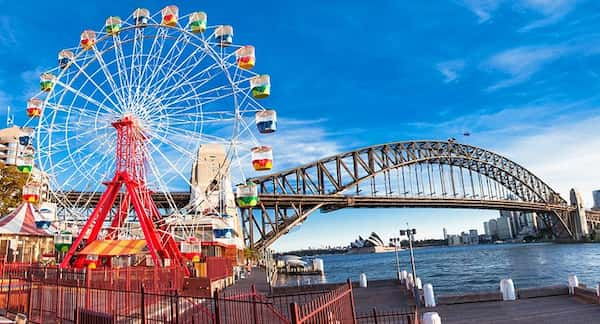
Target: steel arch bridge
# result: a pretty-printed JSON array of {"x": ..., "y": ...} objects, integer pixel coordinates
[{"x": 431, "y": 174}]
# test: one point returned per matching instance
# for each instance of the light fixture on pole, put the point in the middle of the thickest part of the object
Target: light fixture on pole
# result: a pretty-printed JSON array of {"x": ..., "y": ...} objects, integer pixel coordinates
[
  {"x": 396, "y": 242},
  {"x": 410, "y": 234}
]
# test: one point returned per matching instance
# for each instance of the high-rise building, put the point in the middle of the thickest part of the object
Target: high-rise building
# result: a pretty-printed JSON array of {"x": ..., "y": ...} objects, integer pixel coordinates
[
  {"x": 465, "y": 238},
  {"x": 13, "y": 143},
  {"x": 473, "y": 236},
  {"x": 596, "y": 194},
  {"x": 515, "y": 221},
  {"x": 445, "y": 234},
  {"x": 486, "y": 228},
  {"x": 504, "y": 228},
  {"x": 493, "y": 227},
  {"x": 454, "y": 240}
]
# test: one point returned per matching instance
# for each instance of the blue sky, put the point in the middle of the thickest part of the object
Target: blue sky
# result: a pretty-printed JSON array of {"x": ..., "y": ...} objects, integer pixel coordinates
[{"x": 522, "y": 76}]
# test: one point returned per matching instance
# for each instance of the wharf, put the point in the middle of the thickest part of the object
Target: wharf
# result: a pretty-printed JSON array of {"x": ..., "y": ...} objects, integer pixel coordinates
[{"x": 548, "y": 310}]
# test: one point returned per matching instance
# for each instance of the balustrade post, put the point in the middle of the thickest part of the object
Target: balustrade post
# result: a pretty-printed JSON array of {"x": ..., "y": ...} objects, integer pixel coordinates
[
  {"x": 352, "y": 301},
  {"x": 142, "y": 305},
  {"x": 217, "y": 307},
  {"x": 375, "y": 315},
  {"x": 176, "y": 306},
  {"x": 254, "y": 310},
  {"x": 8, "y": 293},
  {"x": 295, "y": 313}
]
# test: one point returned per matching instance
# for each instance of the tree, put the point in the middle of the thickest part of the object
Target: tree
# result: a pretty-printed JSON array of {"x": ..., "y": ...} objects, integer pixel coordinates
[{"x": 11, "y": 188}]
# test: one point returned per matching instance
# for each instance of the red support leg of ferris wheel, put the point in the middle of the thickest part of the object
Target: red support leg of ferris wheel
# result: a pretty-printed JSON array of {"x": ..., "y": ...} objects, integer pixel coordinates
[{"x": 130, "y": 173}]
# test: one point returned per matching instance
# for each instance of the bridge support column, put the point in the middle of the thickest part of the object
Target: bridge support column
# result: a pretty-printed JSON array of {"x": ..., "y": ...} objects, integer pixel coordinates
[{"x": 579, "y": 219}]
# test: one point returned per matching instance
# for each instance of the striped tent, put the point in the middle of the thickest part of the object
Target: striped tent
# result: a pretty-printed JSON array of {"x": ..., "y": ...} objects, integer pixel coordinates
[{"x": 21, "y": 221}]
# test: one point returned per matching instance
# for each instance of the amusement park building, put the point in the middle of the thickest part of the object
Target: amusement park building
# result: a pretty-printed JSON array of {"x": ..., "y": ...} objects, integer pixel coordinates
[{"x": 215, "y": 215}]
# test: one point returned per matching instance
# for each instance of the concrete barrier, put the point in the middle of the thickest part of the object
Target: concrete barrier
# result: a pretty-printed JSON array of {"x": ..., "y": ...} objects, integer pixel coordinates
[
  {"x": 363, "y": 280},
  {"x": 431, "y": 318},
  {"x": 429, "y": 295},
  {"x": 469, "y": 298},
  {"x": 573, "y": 282},
  {"x": 560, "y": 290},
  {"x": 586, "y": 293}
]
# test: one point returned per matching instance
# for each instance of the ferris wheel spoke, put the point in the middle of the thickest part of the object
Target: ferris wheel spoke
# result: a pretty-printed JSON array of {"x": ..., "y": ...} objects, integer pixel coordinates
[
  {"x": 180, "y": 68},
  {"x": 68, "y": 88},
  {"x": 201, "y": 137},
  {"x": 168, "y": 57},
  {"x": 109, "y": 77},
  {"x": 159, "y": 38},
  {"x": 168, "y": 161},
  {"x": 86, "y": 97},
  {"x": 183, "y": 80},
  {"x": 121, "y": 65}
]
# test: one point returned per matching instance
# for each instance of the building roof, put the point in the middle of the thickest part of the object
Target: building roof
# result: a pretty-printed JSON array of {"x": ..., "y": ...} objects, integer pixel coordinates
[{"x": 21, "y": 221}]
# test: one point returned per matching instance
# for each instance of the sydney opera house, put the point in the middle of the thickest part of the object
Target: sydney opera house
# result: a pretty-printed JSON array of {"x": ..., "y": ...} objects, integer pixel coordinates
[{"x": 373, "y": 244}]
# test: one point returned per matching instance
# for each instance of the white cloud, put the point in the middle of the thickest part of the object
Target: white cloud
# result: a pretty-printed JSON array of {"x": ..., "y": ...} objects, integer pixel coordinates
[
  {"x": 564, "y": 155},
  {"x": 450, "y": 69},
  {"x": 483, "y": 9},
  {"x": 522, "y": 62},
  {"x": 550, "y": 10}
]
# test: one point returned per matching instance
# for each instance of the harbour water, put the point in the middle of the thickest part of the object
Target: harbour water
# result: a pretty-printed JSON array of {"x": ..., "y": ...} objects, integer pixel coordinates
[{"x": 454, "y": 270}]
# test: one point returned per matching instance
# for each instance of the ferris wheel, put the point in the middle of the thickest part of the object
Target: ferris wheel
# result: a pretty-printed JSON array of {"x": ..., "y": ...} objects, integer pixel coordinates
[{"x": 180, "y": 82}]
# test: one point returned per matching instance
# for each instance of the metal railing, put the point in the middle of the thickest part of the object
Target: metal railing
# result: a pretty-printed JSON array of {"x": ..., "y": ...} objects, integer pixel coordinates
[
  {"x": 384, "y": 317},
  {"x": 336, "y": 306}
]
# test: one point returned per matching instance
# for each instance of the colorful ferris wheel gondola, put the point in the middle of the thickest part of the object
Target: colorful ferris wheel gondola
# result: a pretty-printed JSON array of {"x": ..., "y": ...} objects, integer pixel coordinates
[
  {"x": 191, "y": 248},
  {"x": 262, "y": 158},
  {"x": 65, "y": 57},
  {"x": 141, "y": 17},
  {"x": 88, "y": 39},
  {"x": 261, "y": 86},
  {"x": 170, "y": 15},
  {"x": 34, "y": 107},
  {"x": 224, "y": 35},
  {"x": 247, "y": 195},
  {"x": 113, "y": 25},
  {"x": 266, "y": 121},
  {"x": 198, "y": 21},
  {"x": 246, "y": 57},
  {"x": 31, "y": 192},
  {"x": 46, "y": 82}
]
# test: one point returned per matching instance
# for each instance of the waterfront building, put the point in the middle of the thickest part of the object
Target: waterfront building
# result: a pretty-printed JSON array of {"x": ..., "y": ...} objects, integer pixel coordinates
[
  {"x": 465, "y": 238},
  {"x": 486, "y": 228},
  {"x": 473, "y": 237},
  {"x": 454, "y": 240},
  {"x": 11, "y": 149},
  {"x": 504, "y": 229},
  {"x": 373, "y": 244},
  {"x": 445, "y": 234},
  {"x": 596, "y": 194}
]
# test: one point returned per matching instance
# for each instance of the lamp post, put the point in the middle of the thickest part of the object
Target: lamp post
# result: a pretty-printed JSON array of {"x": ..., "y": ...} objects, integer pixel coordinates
[
  {"x": 410, "y": 234},
  {"x": 396, "y": 241}
]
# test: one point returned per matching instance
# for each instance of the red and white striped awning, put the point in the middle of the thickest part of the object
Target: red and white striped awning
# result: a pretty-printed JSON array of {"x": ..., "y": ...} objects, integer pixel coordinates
[{"x": 21, "y": 222}]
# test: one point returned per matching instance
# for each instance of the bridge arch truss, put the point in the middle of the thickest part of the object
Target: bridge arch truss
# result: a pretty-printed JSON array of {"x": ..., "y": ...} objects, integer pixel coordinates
[{"x": 404, "y": 174}]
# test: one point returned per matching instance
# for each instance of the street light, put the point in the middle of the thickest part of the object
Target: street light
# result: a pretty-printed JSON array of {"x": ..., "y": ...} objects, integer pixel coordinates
[
  {"x": 410, "y": 233},
  {"x": 396, "y": 242}
]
